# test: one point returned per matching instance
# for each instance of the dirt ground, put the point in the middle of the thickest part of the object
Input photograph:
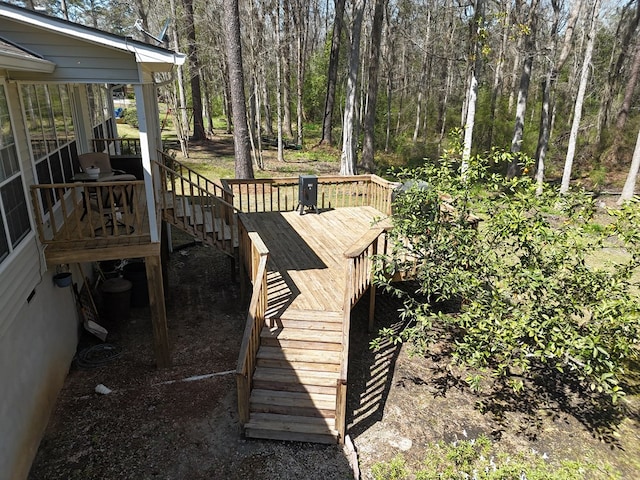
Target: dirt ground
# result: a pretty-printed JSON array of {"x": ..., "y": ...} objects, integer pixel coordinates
[{"x": 156, "y": 425}]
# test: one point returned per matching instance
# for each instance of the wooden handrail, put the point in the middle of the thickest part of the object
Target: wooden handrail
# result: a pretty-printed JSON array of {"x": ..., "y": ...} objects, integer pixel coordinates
[
  {"x": 359, "y": 270},
  {"x": 194, "y": 177},
  {"x": 334, "y": 191},
  {"x": 189, "y": 193},
  {"x": 255, "y": 320},
  {"x": 69, "y": 212}
]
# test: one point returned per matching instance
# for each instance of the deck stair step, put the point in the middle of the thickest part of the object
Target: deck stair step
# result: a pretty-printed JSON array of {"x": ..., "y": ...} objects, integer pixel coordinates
[
  {"x": 292, "y": 427},
  {"x": 309, "y": 319},
  {"x": 302, "y": 338},
  {"x": 296, "y": 377},
  {"x": 298, "y": 355},
  {"x": 192, "y": 217},
  {"x": 204, "y": 216},
  {"x": 305, "y": 404},
  {"x": 290, "y": 380}
]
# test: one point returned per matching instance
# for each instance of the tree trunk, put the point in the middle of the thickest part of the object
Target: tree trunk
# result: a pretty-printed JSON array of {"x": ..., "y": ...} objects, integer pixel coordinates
[
  {"x": 388, "y": 127},
  {"x": 421, "y": 86},
  {"x": 348, "y": 157},
  {"x": 279, "y": 83},
  {"x": 472, "y": 94},
  {"x": 372, "y": 87},
  {"x": 498, "y": 76},
  {"x": 625, "y": 33},
  {"x": 332, "y": 74},
  {"x": 242, "y": 145},
  {"x": 194, "y": 69},
  {"x": 584, "y": 76},
  {"x": 545, "y": 129},
  {"x": 286, "y": 71},
  {"x": 515, "y": 168},
  {"x": 182, "y": 124},
  {"x": 630, "y": 184},
  {"x": 549, "y": 87},
  {"x": 628, "y": 93}
]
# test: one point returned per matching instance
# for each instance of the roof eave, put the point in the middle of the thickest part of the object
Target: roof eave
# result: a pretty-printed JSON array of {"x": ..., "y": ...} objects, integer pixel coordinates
[
  {"x": 142, "y": 52},
  {"x": 15, "y": 62}
]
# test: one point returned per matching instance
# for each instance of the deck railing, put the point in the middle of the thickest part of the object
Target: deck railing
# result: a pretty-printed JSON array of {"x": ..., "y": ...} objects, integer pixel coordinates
[
  {"x": 281, "y": 194},
  {"x": 190, "y": 202},
  {"x": 117, "y": 146},
  {"x": 69, "y": 212},
  {"x": 359, "y": 272},
  {"x": 254, "y": 258},
  {"x": 195, "y": 178}
]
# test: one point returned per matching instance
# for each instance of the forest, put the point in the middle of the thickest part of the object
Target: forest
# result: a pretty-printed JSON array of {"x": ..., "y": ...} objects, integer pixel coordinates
[{"x": 552, "y": 80}]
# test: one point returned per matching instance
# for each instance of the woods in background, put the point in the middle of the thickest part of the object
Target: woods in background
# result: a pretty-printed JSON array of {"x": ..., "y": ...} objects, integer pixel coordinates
[{"x": 552, "y": 79}]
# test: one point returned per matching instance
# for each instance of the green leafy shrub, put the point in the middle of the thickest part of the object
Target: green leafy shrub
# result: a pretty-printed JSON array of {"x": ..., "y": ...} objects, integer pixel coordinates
[
  {"x": 130, "y": 116},
  {"x": 527, "y": 301}
]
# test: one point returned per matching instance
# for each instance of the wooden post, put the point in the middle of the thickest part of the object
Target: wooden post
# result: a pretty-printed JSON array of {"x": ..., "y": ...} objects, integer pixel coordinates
[{"x": 158, "y": 311}]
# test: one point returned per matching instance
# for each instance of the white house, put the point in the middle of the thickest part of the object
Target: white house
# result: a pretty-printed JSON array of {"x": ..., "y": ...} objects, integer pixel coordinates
[{"x": 55, "y": 99}]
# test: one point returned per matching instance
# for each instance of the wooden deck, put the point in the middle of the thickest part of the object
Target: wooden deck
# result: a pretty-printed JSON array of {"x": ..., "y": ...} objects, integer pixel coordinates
[
  {"x": 298, "y": 384},
  {"x": 306, "y": 269},
  {"x": 73, "y": 235}
]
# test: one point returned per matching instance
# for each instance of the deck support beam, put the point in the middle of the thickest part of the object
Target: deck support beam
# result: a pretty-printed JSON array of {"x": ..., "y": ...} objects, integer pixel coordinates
[{"x": 158, "y": 311}]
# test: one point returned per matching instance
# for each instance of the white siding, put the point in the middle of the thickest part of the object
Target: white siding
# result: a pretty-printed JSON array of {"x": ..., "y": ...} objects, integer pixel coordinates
[
  {"x": 35, "y": 353},
  {"x": 76, "y": 61},
  {"x": 38, "y": 336}
]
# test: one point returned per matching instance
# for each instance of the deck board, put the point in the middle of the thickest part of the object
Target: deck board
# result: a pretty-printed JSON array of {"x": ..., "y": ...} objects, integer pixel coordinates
[{"x": 306, "y": 264}]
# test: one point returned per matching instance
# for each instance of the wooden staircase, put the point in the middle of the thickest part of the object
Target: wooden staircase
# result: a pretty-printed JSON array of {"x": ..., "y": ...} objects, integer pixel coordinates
[
  {"x": 295, "y": 379},
  {"x": 197, "y": 206}
]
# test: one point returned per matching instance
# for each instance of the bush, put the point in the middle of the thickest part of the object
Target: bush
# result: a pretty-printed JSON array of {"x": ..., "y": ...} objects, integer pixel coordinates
[
  {"x": 529, "y": 302},
  {"x": 130, "y": 116}
]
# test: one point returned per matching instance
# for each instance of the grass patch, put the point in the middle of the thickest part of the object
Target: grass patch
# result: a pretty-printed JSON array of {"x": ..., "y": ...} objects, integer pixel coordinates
[{"x": 479, "y": 459}]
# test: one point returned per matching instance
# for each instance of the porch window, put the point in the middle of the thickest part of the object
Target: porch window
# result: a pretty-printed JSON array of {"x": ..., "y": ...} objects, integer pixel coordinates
[
  {"x": 14, "y": 213},
  {"x": 101, "y": 115},
  {"x": 49, "y": 121}
]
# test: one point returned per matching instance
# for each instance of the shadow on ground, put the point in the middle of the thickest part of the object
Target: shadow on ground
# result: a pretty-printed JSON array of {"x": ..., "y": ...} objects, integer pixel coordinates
[{"x": 153, "y": 425}]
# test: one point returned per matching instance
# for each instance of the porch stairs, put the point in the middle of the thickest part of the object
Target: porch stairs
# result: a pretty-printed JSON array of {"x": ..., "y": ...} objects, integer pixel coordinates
[
  {"x": 197, "y": 206},
  {"x": 295, "y": 379}
]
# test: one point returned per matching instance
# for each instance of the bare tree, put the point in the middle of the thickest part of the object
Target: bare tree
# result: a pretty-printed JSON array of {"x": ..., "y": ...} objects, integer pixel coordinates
[
  {"x": 472, "y": 93},
  {"x": 332, "y": 74},
  {"x": 348, "y": 157},
  {"x": 242, "y": 142},
  {"x": 514, "y": 168},
  {"x": 550, "y": 82},
  {"x": 577, "y": 114},
  {"x": 623, "y": 113},
  {"x": 625, "y": 33},
  {"x": 372, "y": 87},
  {"x": 194, "y": 71}
]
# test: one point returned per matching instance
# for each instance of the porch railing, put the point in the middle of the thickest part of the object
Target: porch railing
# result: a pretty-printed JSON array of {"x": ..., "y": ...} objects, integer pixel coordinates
[
  {"x": 254, "y": 257},
  {"x": 281, "y": 194},
  {"x": 117, "y": 146},
  {"x": 195, "y": 178},
  {"x": 70, "y": 212},
  {"x": 189, "y": 201}
]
